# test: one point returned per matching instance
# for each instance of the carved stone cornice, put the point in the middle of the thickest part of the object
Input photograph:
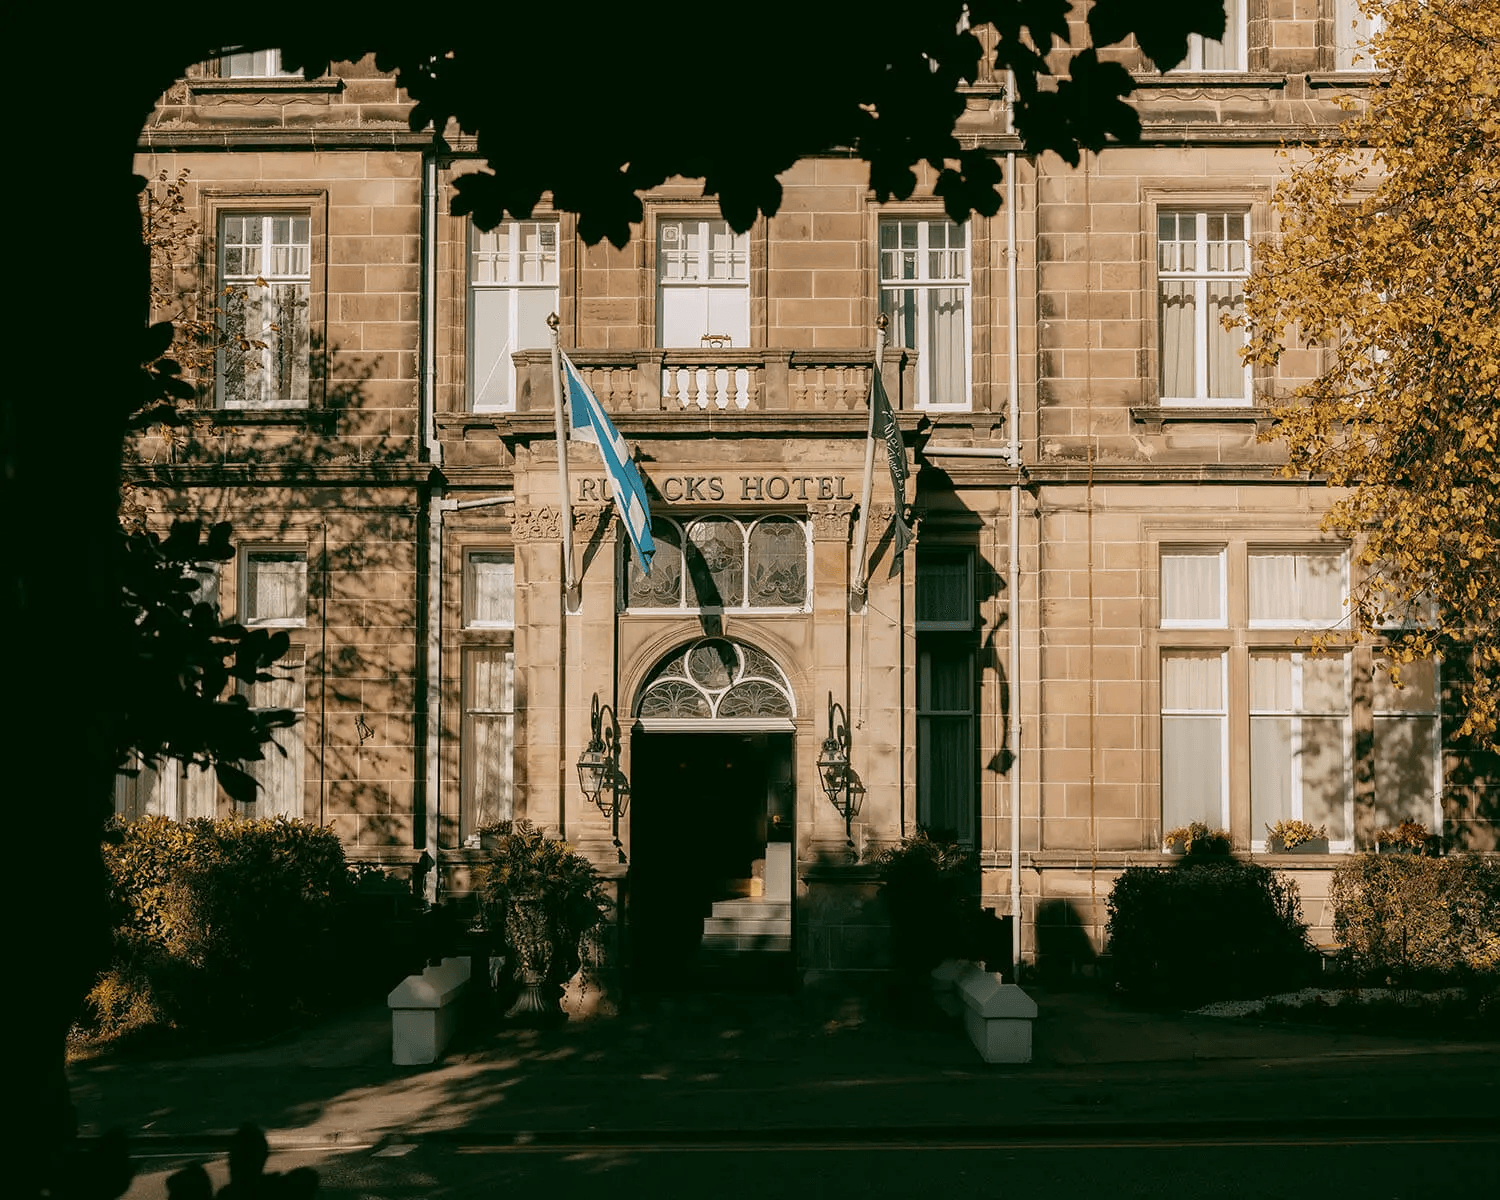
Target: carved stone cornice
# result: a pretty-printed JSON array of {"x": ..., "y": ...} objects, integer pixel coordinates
[
  {"x": 830, "y": 522},
  {"x": 537, "y": 523}
]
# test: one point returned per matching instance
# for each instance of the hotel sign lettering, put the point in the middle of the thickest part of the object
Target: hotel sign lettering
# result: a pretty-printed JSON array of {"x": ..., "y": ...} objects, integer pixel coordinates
[{"x": 737, "y": 489}]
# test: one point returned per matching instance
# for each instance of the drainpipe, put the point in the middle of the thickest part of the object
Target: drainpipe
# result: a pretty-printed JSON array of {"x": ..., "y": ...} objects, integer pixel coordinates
[
  {"x": 433, "y": 700},
  {"x": 1013, "y": 340},
  {"x": 427, "y": 393}
]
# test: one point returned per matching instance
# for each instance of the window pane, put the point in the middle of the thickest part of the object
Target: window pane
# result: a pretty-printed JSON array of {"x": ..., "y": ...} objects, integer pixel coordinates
[
  {"x": 1417, "y": 693},
  {"x": 1273, "y": 588},
  {"x": 1320, "y": 587},
  {"x": 1325, "y": 687},
  {"x": 488, "y": 738},
  {"x": 1271, "y": 682},
  {"x": 663, "y": 587},
  {"x": 491, "y": 592},
  {"x": 1406, "y": 776},
  {"x": 947, "y": 367},
  {"x": 1192, "y": 682},
  {"x": 778, "y": 563},
  {"x": 1178, "y": 344},
  {"x": 945, "y": 590},
  {"x": 1192, "y": 771},
  {"x": 945, "y": 777},
  {"x": 1226, "y": 371},
  {"x": 280, "y": 771},
  {"x": 1191, "y": 587},
  {"x": 1270, "y": 773},
  {"x": 945, "y": 680},
  {"x": 1323, "y": 775},
  {"x": 275, "y": 588},
  {"x": 716, "y": 562},
  {"x": 491, "y": 363}
]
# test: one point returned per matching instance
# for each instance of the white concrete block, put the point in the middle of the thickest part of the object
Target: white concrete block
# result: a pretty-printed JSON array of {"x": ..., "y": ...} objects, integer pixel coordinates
[
  {"x": 983, "y": 992},
  {"x": 945, "y": 977},
  {"x": 999, "y": 1040},
  {"x": 997, "y": 1016},
  {"x": 424, "y": 1011}
]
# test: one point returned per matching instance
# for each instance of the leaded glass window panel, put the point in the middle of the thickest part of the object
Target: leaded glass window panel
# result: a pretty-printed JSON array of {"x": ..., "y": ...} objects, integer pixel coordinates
[
  {"x": 662, "y": 588},
  {"x": 716, "y": 562},
  {"x": 754, "y": 698},
  {"x": 778, "y": 563},
  {"x": 714, "y": 677}
]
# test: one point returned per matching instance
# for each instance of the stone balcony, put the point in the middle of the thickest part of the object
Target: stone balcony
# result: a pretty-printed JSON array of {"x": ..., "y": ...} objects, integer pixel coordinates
[{"x": 714, "y": 381}]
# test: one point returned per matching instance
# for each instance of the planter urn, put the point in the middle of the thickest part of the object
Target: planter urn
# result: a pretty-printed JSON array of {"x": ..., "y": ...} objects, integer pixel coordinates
[{"x": 531, "y": 934}]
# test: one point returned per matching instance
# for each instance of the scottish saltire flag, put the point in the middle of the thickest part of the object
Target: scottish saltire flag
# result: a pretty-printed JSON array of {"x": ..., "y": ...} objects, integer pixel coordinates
[
  {"x": 588, "y": 422},
  {"x": 888, "y": 431}
]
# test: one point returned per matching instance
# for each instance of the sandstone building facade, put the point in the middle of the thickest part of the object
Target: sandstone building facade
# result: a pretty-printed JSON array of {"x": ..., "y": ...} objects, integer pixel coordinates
[{"x": 1100, "y": 632}]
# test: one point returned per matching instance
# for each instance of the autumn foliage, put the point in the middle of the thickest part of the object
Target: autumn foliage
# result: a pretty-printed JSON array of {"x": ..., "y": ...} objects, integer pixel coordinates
[{"x": 1386, "y": 262}]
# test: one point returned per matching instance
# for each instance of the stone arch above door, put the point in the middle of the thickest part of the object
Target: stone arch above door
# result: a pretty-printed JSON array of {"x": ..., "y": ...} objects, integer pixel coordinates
[{"x": 716, "y": 680}]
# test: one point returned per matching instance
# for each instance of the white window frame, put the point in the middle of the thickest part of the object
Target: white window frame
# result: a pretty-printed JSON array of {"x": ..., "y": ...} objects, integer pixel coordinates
[
  {"x": 1222, "y": 713},
  {"x": 1295, "y": 715},
  {"x": 468, "y": 811},
  {"x": 1352, "y": 30},
  {"x": 1297, "y": 552},
  {"x": 967, "y": 830},
  {"x": 747, "y": 526},
  {"x": 471, "y": 588},
  {"x": 1234, "y": 20},
  {"x": 482, "y": 247},
  {"x": 1168, "y": 550},
  {"x": 246, "y": 588},
  {"x": 298, "y": 272},
  {"x": 1200, "y": 277},
  {"x": 255, "y": 64},
  {"x": 738, "y": 279},
  {"x": 892, "y": 283},
  {"x": 1435, "y": 715}
]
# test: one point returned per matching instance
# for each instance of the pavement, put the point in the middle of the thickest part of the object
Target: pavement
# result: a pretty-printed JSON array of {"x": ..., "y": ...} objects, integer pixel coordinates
[{"x": 736, "y": 1068}]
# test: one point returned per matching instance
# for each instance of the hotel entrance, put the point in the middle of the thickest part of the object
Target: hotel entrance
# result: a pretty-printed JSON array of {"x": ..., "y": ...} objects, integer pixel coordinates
[{"x": 709, "y": 887}]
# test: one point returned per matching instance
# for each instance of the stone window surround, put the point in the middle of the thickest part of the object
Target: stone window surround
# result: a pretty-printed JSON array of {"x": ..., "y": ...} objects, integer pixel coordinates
[
  {"x": 1238, "y": 640},
  {"x": 1248, "y": 194}
]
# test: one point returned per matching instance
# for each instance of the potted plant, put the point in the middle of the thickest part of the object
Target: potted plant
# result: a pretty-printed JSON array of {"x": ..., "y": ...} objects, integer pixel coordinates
[
  {"x": 1292, "y": 836},
  {"x": 539, "y": 899},
  {"x": 1409, "y": 837},
  {"x": 1195, "y": 839}
]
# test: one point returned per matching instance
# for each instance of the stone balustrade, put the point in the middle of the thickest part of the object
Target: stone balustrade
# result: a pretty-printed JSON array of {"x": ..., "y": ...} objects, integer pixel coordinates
[{"x": 720, "y": 380}]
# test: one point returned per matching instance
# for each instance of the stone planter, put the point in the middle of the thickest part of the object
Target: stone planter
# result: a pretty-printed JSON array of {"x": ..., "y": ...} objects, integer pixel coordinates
[
  {"x": 1310, "y": 846},
  {"x": 532, "y": 935}
]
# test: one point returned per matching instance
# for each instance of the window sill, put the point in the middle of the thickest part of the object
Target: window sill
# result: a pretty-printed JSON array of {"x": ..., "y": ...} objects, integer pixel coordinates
[
  {"x": 1153, "y": 416},
  {"x": 1210, "y": 79},
  {"x": 1330, "y": 79},
  {"x": 321, "y": 419},
  {"x": 328, "y": 83}
]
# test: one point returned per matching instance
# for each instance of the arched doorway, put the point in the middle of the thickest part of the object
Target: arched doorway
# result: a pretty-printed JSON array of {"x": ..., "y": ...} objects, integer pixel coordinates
[{"x": 711, "y": 817}]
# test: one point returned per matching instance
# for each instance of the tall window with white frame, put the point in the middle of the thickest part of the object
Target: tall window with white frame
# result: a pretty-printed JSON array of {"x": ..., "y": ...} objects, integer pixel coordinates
[
  {"x": 512, "y": 290},
  {"x": 703, "y": 302},
  {"x": 265, "y": 285},
  {"x": 1227, "y": 53},
  {"x": 1194, "y": 738},
  {"x": 487, "y": 736},
  {"x": 947, "y": 746},
  {"x": 1202, "y": 261},
  {"x": 924, "y": 290}
]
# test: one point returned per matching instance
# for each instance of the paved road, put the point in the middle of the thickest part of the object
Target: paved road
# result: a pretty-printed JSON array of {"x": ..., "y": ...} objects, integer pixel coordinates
[{"x": 1383, "y": 1167}]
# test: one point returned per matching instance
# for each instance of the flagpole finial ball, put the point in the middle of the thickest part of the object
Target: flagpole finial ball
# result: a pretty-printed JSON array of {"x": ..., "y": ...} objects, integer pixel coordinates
[
  {"x": 882, "y": 322},
  {"x": 552, "y": 321}
]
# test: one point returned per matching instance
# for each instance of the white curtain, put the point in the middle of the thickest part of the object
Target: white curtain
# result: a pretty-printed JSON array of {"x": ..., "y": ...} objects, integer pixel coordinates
[
  {"x": 1193, "y": 682},
  {"x": 1320, "y": 587},
  {"x": 1226, "y": 372},
  {"x": 1323, "y": 776},
  {"x": 488, "y": 738},
  {"x": 1406, "y": 769},
  {"x": 1190, "y": 587},
  {"x": 947, "y": 367},
  {"x": 492, "y": 590},
  {"x": 1178, "y": 331},
  {"x": 490, "y": 349},
  {"x": 1270, "y": 772},
  {"x": 278, "y": 584},
  {"x": 1192, "y": 746},
  {"x": 1228, "y": 54},
  {"x": 1273, "y": 587}
]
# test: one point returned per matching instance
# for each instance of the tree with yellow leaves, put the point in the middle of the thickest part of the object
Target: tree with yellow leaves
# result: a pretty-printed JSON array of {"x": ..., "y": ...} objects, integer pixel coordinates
[{"x": 1388, "y": 261}]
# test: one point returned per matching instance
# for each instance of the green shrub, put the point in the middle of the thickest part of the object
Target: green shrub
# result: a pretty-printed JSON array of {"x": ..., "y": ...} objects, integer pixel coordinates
[
  {"x": 930, "y": 888},
  {"x": 1403, "y": 916},
  {"x": 1204, "y": 931},
  {"x": 221, "y": 922}
]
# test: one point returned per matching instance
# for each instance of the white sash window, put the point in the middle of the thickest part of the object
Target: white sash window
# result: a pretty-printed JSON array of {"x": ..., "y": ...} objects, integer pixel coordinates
[
  {"x": 1202, "y": 261},
  {"x": 924, "y": 290},
  {"x": 512, "y": 291},
  {"x": 265, "y": 282}
]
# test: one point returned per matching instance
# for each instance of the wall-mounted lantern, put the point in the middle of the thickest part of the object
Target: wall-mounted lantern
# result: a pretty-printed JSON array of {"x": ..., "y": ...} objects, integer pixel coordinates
[{"x": 833, "y": 767}]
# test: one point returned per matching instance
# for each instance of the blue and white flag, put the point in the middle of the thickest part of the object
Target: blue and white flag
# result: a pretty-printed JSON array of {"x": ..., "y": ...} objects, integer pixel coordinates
[{"x": 588, "y": 422}]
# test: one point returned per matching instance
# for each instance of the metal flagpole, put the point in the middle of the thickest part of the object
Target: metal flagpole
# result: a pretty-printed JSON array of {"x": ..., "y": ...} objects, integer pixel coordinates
[
  {"x": 860, "y": 537},
  {"x": 564, "y": 492}
]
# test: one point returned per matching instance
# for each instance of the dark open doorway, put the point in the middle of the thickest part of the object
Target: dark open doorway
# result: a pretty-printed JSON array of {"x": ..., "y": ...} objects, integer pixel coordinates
[{"x": 703, "y": 808}]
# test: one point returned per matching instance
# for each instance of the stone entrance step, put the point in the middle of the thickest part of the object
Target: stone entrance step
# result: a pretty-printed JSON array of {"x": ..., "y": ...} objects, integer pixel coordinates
[{"x": 748, "y": 926}]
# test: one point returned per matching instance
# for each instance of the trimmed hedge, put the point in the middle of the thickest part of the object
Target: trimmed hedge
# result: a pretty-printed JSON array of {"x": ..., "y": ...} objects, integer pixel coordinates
[
  {"x": 1401, "y": 916},
  {"x": 1205, "y": 931},
  {"x": 231, "y": 923}
]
